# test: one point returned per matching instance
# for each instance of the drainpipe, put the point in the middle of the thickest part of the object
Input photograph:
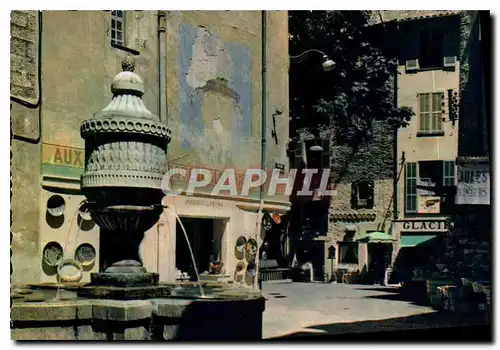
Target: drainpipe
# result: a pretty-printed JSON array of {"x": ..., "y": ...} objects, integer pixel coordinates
[
  {"x": 395, "y": 151},
  {"x": 258, "y": 282},
  {"x": 263, "y": 159},
  {"x": 162, "y": 100}
]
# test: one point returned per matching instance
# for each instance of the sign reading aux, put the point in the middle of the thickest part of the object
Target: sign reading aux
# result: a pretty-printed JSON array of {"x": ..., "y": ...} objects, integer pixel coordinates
[
  {"x": 473, "y": 184},
  {"x": 63, "y": 156}
]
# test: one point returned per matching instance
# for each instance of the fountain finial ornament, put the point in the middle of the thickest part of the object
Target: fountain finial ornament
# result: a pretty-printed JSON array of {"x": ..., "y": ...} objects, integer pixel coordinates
[
  {"x": 128, "y": 64},
  {"x": 126, "y": 159}
]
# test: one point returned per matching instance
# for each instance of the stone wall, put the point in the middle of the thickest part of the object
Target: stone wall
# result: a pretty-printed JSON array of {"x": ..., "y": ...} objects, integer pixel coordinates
[
  {"x": 373, "y": 160},
  {"x": 24, "y": 55},
  {"x": 377, "y": 17},
  {"x": 341, "y": 205}
]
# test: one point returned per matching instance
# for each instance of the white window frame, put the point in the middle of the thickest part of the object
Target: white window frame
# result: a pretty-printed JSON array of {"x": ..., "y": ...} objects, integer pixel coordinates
[
  {"x": 431, "y": 120},
  {"x": 117, "y": 16}
]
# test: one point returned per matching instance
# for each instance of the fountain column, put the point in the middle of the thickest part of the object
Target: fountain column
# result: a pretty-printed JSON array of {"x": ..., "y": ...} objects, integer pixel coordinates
[{"x": 125, "y": 160}]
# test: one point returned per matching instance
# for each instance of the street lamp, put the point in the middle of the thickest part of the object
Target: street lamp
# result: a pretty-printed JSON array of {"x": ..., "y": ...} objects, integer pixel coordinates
[{"x": 327, "y": 64}]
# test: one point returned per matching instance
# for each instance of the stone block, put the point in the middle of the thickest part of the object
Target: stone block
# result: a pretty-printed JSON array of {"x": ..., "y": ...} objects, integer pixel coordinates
[
  {"x": 22, "y": 33},
  {"x": 19, "y": 18},
  {"x": 85, "y": 333},
  {"x": 18, "y": 46},
  {"x": 173, "y": 308},
  {"x": 170, "y": 332},
  {"x": 43, "y": 333},
  {"x": 115, "y": 310},
  {"x": 51, "y": 311}
]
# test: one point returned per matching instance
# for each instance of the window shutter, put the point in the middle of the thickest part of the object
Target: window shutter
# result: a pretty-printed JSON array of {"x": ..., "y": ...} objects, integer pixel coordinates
[
  {"x": 371, "y": 195},
  {"x": 424, "y": 111},
  {"x": 437, "y": 111},
  {"x": 354, "y": 195},
  {"x": 411, "y": 188},
  {"x": 449, "y": 173}
]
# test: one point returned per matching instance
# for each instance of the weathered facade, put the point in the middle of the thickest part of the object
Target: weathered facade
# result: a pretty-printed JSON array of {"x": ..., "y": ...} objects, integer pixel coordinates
[
  {"x": 62, "y": 64},
  {"x": 469, "y": 242},
  {"x": 362, "y": 199},
  {"x": 428, "y": 51}
]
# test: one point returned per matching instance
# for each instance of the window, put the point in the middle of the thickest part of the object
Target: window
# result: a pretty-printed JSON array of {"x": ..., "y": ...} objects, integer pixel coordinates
[
  {"x": 318, "y": 159},
  {"x": 411, "y": 188},
  {"x": 362, "y": 194},
  {"x": 426, "y": 179},
  {"x": 348, "y": 253},
  {"x": 449, "y": 173},
  {"x": 431, "y": 49},
  {"x": 431, "y": 112},
  {"x": 117, "y": 28},
  {"x": 430, "y": 175}
]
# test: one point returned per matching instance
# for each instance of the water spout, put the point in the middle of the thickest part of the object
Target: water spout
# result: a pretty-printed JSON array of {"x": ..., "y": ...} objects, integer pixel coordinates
[{"x": 202, "y": 293}]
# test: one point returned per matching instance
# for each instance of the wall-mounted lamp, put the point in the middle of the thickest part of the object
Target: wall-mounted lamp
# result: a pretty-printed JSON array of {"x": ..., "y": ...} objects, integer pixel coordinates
[{"x": 327, "y": 64}]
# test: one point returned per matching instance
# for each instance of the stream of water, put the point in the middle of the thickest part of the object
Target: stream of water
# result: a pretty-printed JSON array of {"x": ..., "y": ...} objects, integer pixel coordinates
[{"x": 202, "y": 292}]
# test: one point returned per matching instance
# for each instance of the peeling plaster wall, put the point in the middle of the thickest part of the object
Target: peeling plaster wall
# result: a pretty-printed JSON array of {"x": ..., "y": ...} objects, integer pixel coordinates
[
  {"x": 214, "y": 88},
  {"x": 78, "y": 65}
]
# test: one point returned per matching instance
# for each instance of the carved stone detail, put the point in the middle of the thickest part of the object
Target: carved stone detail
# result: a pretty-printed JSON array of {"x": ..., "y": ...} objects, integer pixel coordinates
[
  {"x": 128, "y": 155},
  {"x": 125, "y": 125}
]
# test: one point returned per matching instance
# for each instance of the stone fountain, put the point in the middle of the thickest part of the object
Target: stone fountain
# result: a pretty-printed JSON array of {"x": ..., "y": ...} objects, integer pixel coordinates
[{"x": 125, "y": 160}]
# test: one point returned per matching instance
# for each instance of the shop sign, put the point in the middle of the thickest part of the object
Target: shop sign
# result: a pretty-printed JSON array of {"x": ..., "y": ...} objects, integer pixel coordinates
[
  {"x": 205, "y": 203},
  {"x": 473, "y": 184},
  {"x": 63, "y": 156},
  {"x": 429, "y": 205},
  {"x": 426, "y": 226}
]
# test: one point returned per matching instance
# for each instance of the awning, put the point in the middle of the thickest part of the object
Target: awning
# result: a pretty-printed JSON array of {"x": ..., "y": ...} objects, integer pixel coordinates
[
  {"x": 376, "y": 237},
  {"x": 416, "y": 240}
]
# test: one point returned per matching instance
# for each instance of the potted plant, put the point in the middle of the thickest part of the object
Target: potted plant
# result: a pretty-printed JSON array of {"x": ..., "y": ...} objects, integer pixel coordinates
[{"x": 216, "y": 268}]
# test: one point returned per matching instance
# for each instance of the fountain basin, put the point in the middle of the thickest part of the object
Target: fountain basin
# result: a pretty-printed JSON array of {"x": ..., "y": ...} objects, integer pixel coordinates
[{"x": 225, "y": 313}]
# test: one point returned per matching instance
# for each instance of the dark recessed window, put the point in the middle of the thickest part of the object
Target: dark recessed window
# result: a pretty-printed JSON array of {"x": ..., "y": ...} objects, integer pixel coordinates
[
  {"x": 348, "y": 253},
  {"x": 117, "y": 28},
  {"x": 431, "y": 49},
  {"x": 362, "y": 194}
]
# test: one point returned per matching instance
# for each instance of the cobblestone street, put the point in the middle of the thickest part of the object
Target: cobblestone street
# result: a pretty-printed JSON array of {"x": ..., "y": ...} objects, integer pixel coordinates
[{"x": 307, "y": 308}]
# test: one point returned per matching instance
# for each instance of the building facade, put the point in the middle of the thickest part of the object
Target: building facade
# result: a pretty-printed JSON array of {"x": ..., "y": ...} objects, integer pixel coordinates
[
  {"x": 428, "y": 81},
  {"x": 202, "y": 73}
]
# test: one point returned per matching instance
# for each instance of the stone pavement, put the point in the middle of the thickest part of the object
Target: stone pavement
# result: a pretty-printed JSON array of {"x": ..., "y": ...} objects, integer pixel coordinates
[{"x": 296, "y": 309}]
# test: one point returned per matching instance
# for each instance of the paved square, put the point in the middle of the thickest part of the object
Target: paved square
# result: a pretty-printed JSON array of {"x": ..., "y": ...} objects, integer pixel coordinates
[{"x": 305, "y": 308}]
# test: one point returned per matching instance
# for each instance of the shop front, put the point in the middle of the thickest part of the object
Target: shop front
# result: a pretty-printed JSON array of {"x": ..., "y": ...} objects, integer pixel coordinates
[
  {"x": 225, "y": 234},
  {"x": 420, "y": 247}
]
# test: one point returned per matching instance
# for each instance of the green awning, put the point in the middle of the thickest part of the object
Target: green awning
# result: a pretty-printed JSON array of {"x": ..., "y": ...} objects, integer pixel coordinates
[
  {"x": 416, "y": 240},
  {"x": 377, "y": 237}
]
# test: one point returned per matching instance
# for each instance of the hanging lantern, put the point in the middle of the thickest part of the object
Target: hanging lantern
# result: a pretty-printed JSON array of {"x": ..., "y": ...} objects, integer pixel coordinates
[{"x": 267, "y": 222}]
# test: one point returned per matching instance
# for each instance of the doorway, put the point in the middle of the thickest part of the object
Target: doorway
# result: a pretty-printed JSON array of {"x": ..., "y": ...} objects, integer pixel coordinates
[
  {"x": 206, "y": 241},
  {"x": 379, "y": 258},
  {"x": 318, "y": 260}
]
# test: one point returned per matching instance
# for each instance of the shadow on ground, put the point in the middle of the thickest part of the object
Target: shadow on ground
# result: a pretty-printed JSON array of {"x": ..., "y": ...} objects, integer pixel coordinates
[{"x": 431, "y": 327}]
